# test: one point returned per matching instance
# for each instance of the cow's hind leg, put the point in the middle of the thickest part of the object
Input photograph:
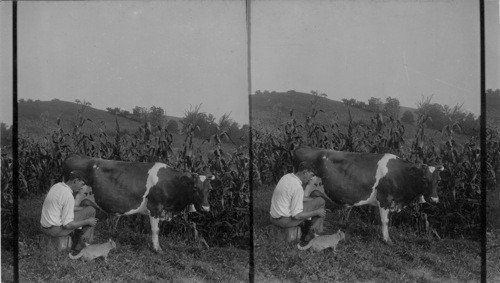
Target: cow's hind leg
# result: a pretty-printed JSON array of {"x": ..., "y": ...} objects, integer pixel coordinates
[
  {"x": 384, "y": 219},
  {"x": 155, "y": 229}
]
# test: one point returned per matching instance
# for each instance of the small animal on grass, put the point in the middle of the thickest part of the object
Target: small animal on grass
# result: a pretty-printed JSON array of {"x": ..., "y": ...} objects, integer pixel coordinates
[
  {"x": 91, "y": 252},
  {"x": 324, "y": 242}
]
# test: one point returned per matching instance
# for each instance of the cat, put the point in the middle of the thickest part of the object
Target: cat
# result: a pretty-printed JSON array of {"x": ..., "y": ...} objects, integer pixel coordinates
[
  {"x": 323, "y": 242},
  {"x": 91, "y": 252}
]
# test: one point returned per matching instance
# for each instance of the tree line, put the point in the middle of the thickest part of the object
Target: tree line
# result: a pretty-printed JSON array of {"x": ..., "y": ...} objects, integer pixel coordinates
[
  {"x": 438, "y": 116},
  {"x": 206, "y": 125}
]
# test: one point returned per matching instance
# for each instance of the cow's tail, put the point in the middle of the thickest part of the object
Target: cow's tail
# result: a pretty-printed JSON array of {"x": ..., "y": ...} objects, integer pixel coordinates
[
  {"x": 79, "y": 255},
  {"x": 304, "y": 247}
]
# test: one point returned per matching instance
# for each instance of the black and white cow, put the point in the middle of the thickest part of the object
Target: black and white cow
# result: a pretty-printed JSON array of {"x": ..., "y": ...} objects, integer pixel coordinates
[
  {"x": 154, "y": 189},
  {"x": 382, "y": 180}
]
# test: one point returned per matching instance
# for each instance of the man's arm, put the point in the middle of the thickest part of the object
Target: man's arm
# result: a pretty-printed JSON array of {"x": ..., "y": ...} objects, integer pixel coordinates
[
  {"x": 306, "y": 214},
  {"x": 77, "y": 224},
  {"x": 306, "y": 199},
  {"x": 78, "y": 208}
]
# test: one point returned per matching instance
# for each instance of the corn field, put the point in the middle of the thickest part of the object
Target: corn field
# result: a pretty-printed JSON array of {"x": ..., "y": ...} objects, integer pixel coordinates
[
  {"x": 41, "y": 159},
  {"x": 457, "y": 214}
]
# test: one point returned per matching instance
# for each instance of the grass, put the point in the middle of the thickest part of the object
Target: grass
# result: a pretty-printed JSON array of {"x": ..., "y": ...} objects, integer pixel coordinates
[
  {"x": 183, "y": 260},
  {"x": 493, "y": 255},
  {"x": 362, "y": 257}
]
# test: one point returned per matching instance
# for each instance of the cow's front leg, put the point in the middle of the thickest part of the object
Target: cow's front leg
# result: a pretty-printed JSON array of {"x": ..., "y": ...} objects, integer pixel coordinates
[
  {"x": 155, "y": 229},
  {"x": 384, "y": 219}
]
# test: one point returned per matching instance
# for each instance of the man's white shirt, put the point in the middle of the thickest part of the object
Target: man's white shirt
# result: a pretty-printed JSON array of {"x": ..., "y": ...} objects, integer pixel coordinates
[
  {"x": 58, "y": 206},
  {"x": 288, "y": 197}
]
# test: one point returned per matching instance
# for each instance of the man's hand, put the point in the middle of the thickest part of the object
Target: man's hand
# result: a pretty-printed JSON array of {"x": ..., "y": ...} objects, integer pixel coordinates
[
  {"x": 321, "y": 212},
  {"x": 92, "y": 221}
]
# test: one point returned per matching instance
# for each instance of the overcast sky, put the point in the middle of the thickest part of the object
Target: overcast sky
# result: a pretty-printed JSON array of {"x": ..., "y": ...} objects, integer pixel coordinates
[
  {"x": 171, "y": 54},
  {"x": 174, "y": 54},
  {"x": 363, "y": 49}
]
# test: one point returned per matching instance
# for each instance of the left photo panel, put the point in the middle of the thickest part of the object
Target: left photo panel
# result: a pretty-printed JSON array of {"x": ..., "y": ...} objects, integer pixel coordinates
[{"x": 133, "y": 147}]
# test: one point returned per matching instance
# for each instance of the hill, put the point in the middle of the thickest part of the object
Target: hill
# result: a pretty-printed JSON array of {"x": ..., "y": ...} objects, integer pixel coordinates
[
  {"x": 40, "y": 117},
  {"x": 270, "y": 110},
  {"x": 275, "y": 106}
]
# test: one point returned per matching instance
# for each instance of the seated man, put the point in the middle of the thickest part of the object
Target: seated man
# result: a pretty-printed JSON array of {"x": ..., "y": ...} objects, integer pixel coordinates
[
  {"x": 60, "y": 216},
  {"x": 289, "y": 208}
]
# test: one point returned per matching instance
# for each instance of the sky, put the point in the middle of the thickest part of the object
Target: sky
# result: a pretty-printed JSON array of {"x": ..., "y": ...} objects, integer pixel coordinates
[
  {"x": 170, "y": 54},
  {"x": 179, "y": 54},
  {"x": 409, "y": 50}
]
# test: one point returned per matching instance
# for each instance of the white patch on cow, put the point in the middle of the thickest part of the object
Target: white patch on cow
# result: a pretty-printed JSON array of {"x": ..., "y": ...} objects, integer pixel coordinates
[
  {"x": 324, "y": 156},
  {"x": 380, "y": 173},
  {"x": 436, "y": 199},
  {"x": 150, "y": 182},
  {"x": 192, "y": 208},
  {"x": 202, "y": 178},
  {"x": 206, "y": 208},
  {"x": 421, "y": 199},
  {"x": 432, "y": 169}
]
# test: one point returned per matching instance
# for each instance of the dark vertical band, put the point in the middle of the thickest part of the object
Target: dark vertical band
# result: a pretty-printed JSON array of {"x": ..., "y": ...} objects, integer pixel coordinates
[
  {"x": 484, "y": 151},
  {"x": 251, "y": 263}
]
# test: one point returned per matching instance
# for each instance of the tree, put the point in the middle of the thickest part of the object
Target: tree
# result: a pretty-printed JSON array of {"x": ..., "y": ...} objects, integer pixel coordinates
[
  {"x": 317, "y": 93},
  {"x": 156, "y": 116},
  {"x": 140, "y": 114},
  {"x": 375, "y": 105},
  {"x": 391, "y": 107},
  {"x": 173, "y": 127},
  {"x": 125, "y": 113},
  {"x": 408, "y": 117},
  {"x": 114, "y": 111},
  {"x": 83, "y": 103}
]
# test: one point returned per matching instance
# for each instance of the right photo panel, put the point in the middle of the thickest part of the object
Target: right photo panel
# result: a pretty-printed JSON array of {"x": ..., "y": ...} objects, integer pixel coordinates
[{"x": 366, "y": 146}]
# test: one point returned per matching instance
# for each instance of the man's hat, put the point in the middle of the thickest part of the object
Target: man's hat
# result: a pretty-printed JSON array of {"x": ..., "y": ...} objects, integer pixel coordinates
[{"x": 77, "y": 175}]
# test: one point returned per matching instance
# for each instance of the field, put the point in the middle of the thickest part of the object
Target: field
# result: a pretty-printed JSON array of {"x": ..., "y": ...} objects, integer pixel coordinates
[
  {"x": 363, "y": 256},
  {"x": 224, "y": 254},
  {"x": 445, "y": 247},
  {"x": 447, "y": 250},
  {"x": 133, "y": 260}
]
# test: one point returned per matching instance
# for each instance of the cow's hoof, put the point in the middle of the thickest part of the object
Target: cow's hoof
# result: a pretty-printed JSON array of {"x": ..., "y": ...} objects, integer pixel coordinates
[
  {"x": 389, "y": 242},
  {"x": 158, "y": 251}
]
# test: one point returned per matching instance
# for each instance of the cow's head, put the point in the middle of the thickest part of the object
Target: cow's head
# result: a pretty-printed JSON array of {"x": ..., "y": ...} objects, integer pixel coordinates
[
  {"x": 201, "y": 188},
  {"x": 430, "y": 179}
]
